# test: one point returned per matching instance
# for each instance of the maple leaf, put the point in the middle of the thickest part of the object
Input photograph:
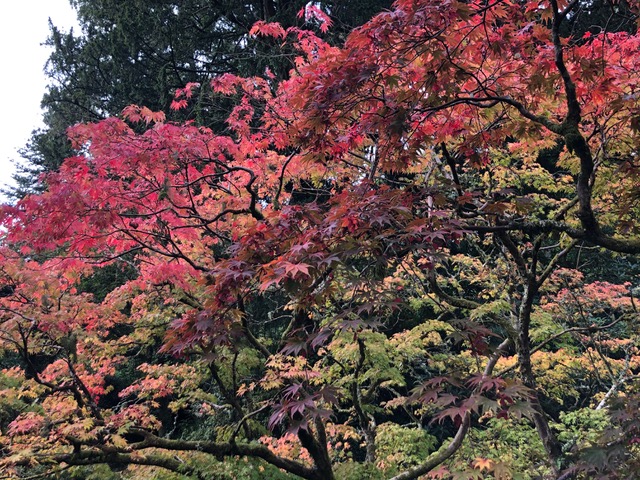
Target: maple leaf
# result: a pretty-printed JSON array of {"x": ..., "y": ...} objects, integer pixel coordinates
[
  {"x": 178, "y": 104},
  {"x": 293, "y": 269},
  {"x": 294, "y": 346},
  {"x": 312, "y": 11},
  {"x": 292, "y": 390},
  {"x": 483, "y": 464},
  {"x": 439, "y": 473},
  {"x": 484, "y": 383},
  {"x": 267, "y": 29},
  {"x": 132, "y": 113}
]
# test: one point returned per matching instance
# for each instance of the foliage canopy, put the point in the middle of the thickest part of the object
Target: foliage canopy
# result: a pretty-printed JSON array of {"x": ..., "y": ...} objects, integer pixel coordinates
[{"x": 385, "y": 254}]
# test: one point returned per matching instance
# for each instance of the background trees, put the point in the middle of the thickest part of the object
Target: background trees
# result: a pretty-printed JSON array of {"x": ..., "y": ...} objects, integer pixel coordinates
[{"x": 385, "y": 253}]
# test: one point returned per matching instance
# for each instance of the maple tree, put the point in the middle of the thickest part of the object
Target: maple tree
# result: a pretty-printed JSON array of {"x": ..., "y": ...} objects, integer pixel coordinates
[
  {"x": 140, "y": 53},
  {"x": 383, "y": 256}
]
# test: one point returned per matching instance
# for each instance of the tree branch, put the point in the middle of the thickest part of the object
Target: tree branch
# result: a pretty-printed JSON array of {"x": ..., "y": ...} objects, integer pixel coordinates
[
  {"x": 225, "y": 450},
  {"x": 443, "y": 454}
]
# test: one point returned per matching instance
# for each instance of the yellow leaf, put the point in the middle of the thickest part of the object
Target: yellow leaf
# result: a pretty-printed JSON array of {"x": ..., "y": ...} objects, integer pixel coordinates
[{"x": 483, "y": 464}]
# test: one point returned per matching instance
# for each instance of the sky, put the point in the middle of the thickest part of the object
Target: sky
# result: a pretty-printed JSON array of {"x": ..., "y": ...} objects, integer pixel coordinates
[{"x": 24, "y": 27}]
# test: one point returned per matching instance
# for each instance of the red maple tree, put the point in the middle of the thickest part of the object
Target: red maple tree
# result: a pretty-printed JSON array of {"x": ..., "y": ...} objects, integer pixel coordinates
[{"x": 404, "y": 167}]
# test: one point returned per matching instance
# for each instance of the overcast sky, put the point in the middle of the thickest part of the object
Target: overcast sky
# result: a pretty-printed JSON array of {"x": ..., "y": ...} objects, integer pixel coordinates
[{"x": 23, "y": 28}]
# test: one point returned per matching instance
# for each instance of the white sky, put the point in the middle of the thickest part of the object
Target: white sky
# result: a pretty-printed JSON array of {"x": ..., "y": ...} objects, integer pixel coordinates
[{"x": 23, "y": 28}]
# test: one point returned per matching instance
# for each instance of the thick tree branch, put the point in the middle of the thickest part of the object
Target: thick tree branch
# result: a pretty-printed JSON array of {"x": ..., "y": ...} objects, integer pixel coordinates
[
  {"x": 95, "y": 456},
  {"x": 319, "y": 453},
  {"x": 554, "y": 262},
  {"x": 247, "y": 331},
  {"x": 594, "y": 237},
  {"x": 276, "y": 197},
  {"x": 226, "y": 450},
  {"x": 366, "y": 423}
]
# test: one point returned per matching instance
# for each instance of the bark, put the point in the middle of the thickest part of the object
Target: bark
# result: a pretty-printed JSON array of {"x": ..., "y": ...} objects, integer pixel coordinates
[
  {"x": 549, "y": 440},
  {"x": 230, "y": 449},
  {"x": 366, "y": 422},
  {"x": 318, "y": 451}
]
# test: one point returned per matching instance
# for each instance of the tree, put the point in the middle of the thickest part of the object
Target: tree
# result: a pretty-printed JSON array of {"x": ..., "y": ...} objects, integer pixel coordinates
[
  {"x": 395, "y": 204},
  {"x": 139, "y": 53}
]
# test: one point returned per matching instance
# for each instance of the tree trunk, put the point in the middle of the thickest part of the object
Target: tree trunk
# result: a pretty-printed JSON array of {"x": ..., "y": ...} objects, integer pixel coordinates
[
  {"x": 318, "y": 451},
  {"x": 549, "y": 440}
]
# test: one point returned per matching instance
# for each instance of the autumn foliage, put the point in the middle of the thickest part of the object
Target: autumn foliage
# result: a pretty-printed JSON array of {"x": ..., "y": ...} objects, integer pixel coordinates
[{"x": 426, "y": 236}]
